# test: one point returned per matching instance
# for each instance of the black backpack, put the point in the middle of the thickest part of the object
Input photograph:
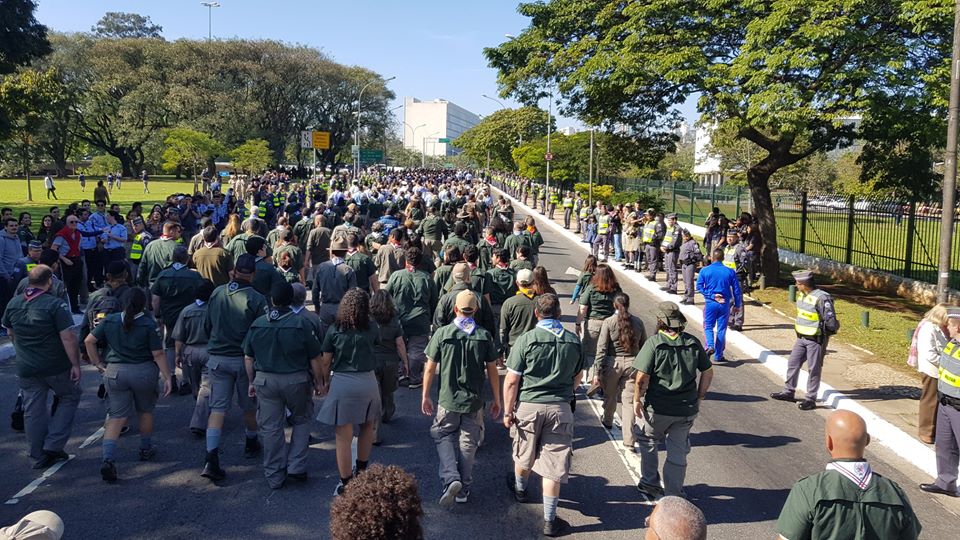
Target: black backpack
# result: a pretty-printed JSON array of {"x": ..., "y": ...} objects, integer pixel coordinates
[{"x": 112, "y": 302}]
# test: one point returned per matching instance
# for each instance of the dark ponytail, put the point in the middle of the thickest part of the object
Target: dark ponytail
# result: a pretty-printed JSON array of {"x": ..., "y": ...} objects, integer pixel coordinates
[
  {"x": 629, "y": 340},
  {"x": 135, "y": 306}
]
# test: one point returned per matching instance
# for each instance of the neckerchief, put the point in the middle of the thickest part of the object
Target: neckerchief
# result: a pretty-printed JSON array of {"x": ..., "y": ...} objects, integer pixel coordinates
[
  {"x": 491, "y": 240},
  {"x": 517, "y": 233},
  {"x": 32, "y": 292},
  {"x": 467, "y": 324},
  {"x": 297, "y": 309},
  {"x": 177, "y": 266},
  {"x": 551, "y": 325},
  {"x": 526, "y": 292},
  {"x": 668, "y": 336},
  {"x": 532, "y": 230},
  {"x": 337, "y": 261},
  {"x": 199, "y": 302},
  {"x": 858, "y": 472},
  {"x": 502, "y": 266},
  {"x": 411, "y": 268}
]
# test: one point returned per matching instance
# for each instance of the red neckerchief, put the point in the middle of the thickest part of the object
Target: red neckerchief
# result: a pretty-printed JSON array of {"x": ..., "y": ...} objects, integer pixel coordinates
[
  {"x": 532, "y": 230},
  {"x": 491, "y": 240},
  {"x": 502, "y": 266}
]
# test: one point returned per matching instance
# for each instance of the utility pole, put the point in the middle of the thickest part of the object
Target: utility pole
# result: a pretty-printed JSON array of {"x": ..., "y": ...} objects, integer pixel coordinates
[
  {"x": 948, "y": 212},
  {"x": 549, "y": 122},
  {"x": 590, "y": 197}
]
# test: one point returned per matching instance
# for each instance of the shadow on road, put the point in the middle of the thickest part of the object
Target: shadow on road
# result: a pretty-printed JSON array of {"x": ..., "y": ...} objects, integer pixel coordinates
[{"x": 746, "y": 440}]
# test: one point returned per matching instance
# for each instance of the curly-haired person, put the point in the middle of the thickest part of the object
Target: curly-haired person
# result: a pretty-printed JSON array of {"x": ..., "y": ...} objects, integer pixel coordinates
[{"x": 380, "y": 503}]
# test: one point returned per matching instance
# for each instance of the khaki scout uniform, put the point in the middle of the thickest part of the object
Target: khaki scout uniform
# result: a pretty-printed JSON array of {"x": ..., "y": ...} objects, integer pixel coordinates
[
  {"x": 282, "y": 345},
  {"x": 131, "y": 374}
]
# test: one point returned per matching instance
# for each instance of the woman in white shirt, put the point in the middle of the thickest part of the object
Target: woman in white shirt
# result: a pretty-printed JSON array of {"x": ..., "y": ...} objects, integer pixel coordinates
[{"x": 928, "y": 341}]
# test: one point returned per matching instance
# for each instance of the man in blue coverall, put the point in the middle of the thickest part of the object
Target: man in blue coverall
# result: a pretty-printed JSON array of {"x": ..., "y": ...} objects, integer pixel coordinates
[{"x": 721, "y": 292}]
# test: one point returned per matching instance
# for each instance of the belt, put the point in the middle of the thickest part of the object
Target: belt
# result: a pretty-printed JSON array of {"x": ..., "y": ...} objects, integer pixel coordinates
[{"x": 950, "y": 401}]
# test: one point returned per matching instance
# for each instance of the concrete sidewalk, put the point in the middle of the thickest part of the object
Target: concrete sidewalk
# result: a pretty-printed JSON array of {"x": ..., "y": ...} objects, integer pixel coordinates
[{"x": 886, "y": 398}]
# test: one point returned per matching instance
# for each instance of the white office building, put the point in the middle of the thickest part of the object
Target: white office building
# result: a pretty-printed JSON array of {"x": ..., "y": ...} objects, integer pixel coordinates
[
  {"x": 427, "y": 123},
  {"x": 706, "y": 165}
]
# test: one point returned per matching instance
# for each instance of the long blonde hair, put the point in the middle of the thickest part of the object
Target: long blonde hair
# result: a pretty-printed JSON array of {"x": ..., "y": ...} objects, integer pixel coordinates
[{"x": 937, "y": 315}]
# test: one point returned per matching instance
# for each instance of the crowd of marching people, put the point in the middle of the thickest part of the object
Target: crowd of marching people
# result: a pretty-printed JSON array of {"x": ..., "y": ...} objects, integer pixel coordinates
[{"x": 416, "y": 279}]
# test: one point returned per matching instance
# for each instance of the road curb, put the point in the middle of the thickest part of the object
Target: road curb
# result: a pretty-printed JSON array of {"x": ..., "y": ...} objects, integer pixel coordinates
[{"x": 904, "y": 445}]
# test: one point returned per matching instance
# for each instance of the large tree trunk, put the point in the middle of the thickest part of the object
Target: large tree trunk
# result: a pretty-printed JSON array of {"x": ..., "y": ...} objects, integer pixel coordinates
[{"x": 758, "y": 179}]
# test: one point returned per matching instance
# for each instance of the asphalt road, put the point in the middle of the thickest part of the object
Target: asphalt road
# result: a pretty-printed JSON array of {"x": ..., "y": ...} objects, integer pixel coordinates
[{"x": 747, "y": 452}]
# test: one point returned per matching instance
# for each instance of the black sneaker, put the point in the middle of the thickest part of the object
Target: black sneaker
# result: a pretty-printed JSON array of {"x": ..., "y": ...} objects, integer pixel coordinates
[
  {"x": 211, "y": 469},
  {"x": 50, "y": 457},
  {"x": 450, "y": 493},
  {"x": 519, "y": 495},
  {"x": 198, "y": 432},
  {"x": 555, "y": 527},
  {"x": 652, "y": 491},
  {"x": 415, "y": 384},
  {"x": 102, "y": 391},
  {"x": 298, "y": 476},
  {"x": 108, "y": 471},
  {"x": 783, "y": 396},
  {"x": 252, "y": 448},
  {"x": 463, "y": 497},
  {"x": 403, "y": 381},
  {"x": 807, "y": 405},
  {"x": 337, "y": 491},
  {"x": 146, "y": 454}
]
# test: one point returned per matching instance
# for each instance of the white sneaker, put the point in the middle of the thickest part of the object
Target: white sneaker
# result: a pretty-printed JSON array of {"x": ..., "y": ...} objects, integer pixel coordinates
[
  {"x": 339, "y": 489},
  {"x": 462, "y": 497},
  {"x": 450, "y": 493}
]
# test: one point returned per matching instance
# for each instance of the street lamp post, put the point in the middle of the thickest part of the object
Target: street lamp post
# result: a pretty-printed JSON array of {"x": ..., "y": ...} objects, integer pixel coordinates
[
  {"x": 948, "y": 213},
  {"x": 423, "y": 155},
  {"x": 413, "y": 134},
  {"x": 502, "y": 107},
  {"x": 210, "y": 6},
  {"x": 549, "y": 129},
  {"x": 356, "y": 169}
]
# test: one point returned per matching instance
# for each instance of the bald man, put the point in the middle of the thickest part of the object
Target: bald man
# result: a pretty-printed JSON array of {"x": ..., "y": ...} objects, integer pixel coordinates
[
  {"x": 676, "y": 517},
  {"x": 848, "y": 499}
]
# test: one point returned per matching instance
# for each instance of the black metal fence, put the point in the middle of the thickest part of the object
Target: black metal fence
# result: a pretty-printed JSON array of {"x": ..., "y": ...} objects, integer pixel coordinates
[{"x": 899, "y": 237}]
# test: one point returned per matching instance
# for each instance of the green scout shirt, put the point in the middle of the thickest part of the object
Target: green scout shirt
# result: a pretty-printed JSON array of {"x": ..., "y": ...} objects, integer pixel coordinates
[
  {"x": 177, "y": 288},
  {"x": 432, "y": 228},
  {"x": 514, "y": 241},
  {"x": 547, "y": 363},
  {"x": 230, "y": 312},
  {"x": 302, "y": 231},
  {"x": 444, "y": 314},
  {"x": 133, "y": 347},
  {"x": 672, "y": 364},
  {"x": 500, "y": 284},
  {"x": 363, "y": 268},
  {"x": 516, "y": 318},
  {"x": 599, "y": 305},
  {"x": 521, "y": 264},
  {"x": 266, "y": 277},
  {"x": 829, "y": 506},
  {"x": 156, "y": 256},
  {"x": 455, "y": 241},
  {"x": 352, "y": 350},
  {"x": 281, "y": 342},
  {"x": 386, "y": 350},
  {"x": 463, "y": 359},
  {"x": 36, "y": 325},
  {"x": 288, "y": 275},
  {"x": 441, "y": 276},
  {"x": 536, "y": 240},
  {"x": 295, "y": 254},
  {"x": 191, "y": 327},
  {"x": 415, "y": 296}
]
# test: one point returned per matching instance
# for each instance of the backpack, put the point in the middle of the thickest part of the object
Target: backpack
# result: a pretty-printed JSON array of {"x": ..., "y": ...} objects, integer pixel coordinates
[{"x": 112, "y": 302}]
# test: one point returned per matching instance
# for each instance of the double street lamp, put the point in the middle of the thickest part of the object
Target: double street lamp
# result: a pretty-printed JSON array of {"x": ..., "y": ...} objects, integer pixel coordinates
[
  {"x": 210, "y": 6},
  {"x": 356, "y": 169}
]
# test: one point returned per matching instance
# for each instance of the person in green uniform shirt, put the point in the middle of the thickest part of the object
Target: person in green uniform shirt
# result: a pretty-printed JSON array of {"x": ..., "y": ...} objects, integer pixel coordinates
[
  {"x": 158, "y": 254},
  {"x": 287, "y": 245},
  {"x": 522, "y": 259},
  {"x": 596, "y": 304},
  {"x": 267, "y": 275},
  {"x": 391, "y": 355},
  {"x": 458, "y": 239},
  {"x": 331, "y": 282},
  {"x": 444, "y": 313},
  {"x": 848, "y": 500},
  {"x": 432, "y": 231},
  {"x": 232, "y": 309},
  {"x": 280, "y": 352},
  {"x": 190, "y": 337},
  {"x": 352, "y": 396},
  {"x": 288, "y": 273},
  {"x": 40, "y": 326},
  {"x": 362, "y": 264},
  {"x": 500, "y": 284},
  {"x": 174, "y": 289},
  {"x": 544, "y": 368},
  {"x": 133, "y": 360},
  {"x": 513, "y": 242},
  {"x": 535, "y": 239},
  {"x": 667, "y": 398},
  {"x": 518, "y": 313},
  {"x": 462, "y": 350},
  {"x": 416, "y": 298}
]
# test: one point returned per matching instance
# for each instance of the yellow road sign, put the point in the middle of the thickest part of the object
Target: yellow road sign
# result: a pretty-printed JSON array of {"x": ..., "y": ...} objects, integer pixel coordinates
[{"x": 321, "y": 140}]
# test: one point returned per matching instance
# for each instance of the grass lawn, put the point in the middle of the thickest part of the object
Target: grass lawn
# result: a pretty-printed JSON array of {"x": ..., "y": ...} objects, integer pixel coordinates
[{"x": 13, "y": 193}]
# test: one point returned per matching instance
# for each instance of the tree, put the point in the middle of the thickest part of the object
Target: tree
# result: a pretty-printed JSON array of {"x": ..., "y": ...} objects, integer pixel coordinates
[
  {"x": 22, "y": 39},
  {"x": 253, "y": 156},
  {"x": 117, "y": 25},
  {"x": 28, "y": 97},
  {"x": 102, "y": 165},
  {"x": 188, "y": 148},
  {"x": 782, "y": 75},
  {"x": 677, "y": 166},
  {"x": 499, "y": 133}
]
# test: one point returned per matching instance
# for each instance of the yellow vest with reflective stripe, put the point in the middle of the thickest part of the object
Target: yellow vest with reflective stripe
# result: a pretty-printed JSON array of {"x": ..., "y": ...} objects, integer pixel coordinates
[
  {"x": 261, "y": 212},
  {"x": 730, "y": 257},
  {"x": 31, "y": 266},
  {"x": 603, "y": 224},
  {"x": 808, "y": 318},
  {"x": 949, "y": 384},
  {"x": 568, "y": 202},
  {"x": 136, "y": 248},
  {"x": 554, "y": 198},
  {"x": 649, "y": 231},
  {"x": 668, "y": 237},
  {"x": 585, "y": 212}
]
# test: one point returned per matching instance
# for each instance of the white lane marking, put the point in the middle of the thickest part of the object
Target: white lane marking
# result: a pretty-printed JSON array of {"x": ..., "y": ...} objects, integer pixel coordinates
[
  {"x": 572, "y": 271},
  {"x": 92, "y": 438},
  {"x": 629, "y": 459},
  {"x": 32, "y": 486}
]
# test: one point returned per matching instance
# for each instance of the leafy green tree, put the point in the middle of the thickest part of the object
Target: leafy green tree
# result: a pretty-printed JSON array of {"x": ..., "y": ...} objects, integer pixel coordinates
[
  {"x": 501, "y": 132},
  {"x": 22, "y": 39},
  {"x": 678, "y": 165},
  {"x": 117, "y": 25},
  {"x": 28, "y": 96},
  {"x": 191, "y": 149},
  {"x": 252, "y": 156},
  {"x": 102, "y": 165},
  {"x": 782, "y": 75}
]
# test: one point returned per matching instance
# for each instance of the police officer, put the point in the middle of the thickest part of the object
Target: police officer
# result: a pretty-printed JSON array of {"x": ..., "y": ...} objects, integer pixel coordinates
[
  {"x": 47, "y": 354},
  {"x": 554, "y": 201},
  {"x": 582, "y": 215},
  {"x": 462, "y": 350},
  {"x": 233, "y": 308},
  {"x": 544, "y": 368},
  {"x": 333, "y": 279},
  {"x": 567, "y": 209},
  {"x": 735, "y": 258},
  {"x": 604, "y": 232},
  {"x": 948, "y": 412},
  {"x": 26, "y": 263},
  {"x": 816, "y": 322},
  {"x": 138, "y": 241},
  {"x": 190, "y": 337},
  {"x": 134, "y": 359},
  {"x": 848, "y": 499},
  {"x": 282, "y": 349},
  {"x": 174, "y": 289},
  {"x": 652, "y": 235},
  {"x": 670, "y": 247},
  {"x": 690, "y": 258},
  {"x": 671, "y": 392}
]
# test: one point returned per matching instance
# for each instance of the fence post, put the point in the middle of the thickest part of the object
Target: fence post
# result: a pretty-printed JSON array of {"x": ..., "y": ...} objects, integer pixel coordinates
[
  {"x": 713, "y": 195},
  {"x": 673, "y": 189},
  {"x": 848, "y": 255},
  {"x": 693, "y": 195},
  {"x": 738, "y": 201},
  {"x": 803, "y": 221},
  {"x": 911, "y": 232}
]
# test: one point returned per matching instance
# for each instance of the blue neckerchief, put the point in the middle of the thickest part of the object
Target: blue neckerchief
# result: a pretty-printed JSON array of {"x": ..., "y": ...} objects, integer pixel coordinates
[
  {"x": 551, "y": 325},
  {"x": 466, "y": 324}
]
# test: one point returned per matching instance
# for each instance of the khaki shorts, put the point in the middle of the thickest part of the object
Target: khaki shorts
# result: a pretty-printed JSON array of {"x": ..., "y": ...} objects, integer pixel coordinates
[
  {"x": 228, "y": 376},
  {"x": 131, "y": 388},
  {"x": 543, "y": 439}
]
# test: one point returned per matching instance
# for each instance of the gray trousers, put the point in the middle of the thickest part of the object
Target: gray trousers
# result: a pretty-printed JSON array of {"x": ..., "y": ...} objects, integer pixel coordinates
[
  {"x": 589, "y": 342},
  {"x": 453, "y": 431},
  {"x": 618, "y": 387},
  {"x": 675, "y": 431},
  {"x": 567, "y": 212},
  {"x": 46, "y": 431},
  {"x": 652, "y": 255},
  {"x": 811, "y": 352},
  {"x": 689, "y": 285},
  {"x": 277, "y": 393},
  {"x": 947, "y": 446},
  {"x": 195, "y": 370},
  {"x": 670, "y": 265}
]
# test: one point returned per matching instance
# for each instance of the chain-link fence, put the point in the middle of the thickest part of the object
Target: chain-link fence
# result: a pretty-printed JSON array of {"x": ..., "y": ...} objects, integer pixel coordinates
[{"x": 895, "y": 236}]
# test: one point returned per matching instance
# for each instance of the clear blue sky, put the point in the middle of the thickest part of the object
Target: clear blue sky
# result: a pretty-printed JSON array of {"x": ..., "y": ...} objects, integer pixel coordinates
[{"x": 434, "y": 48}]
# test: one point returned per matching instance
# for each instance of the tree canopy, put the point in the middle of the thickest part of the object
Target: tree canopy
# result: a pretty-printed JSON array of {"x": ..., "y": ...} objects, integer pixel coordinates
[
  {"x": 119, "y": 25},
  {"x": 499, "y": 133}
]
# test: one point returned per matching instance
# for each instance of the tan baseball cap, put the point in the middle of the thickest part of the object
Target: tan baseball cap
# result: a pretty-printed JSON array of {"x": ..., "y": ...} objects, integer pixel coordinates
[
  {"x": 460, "y": 273},
  {"x": 467, "y": 303}
]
